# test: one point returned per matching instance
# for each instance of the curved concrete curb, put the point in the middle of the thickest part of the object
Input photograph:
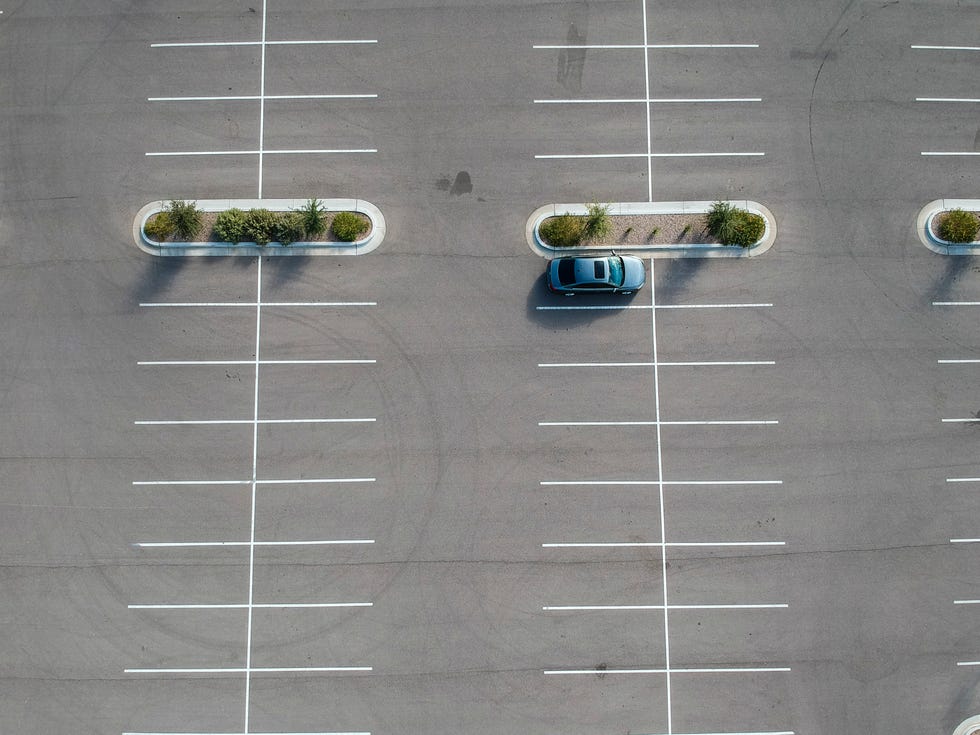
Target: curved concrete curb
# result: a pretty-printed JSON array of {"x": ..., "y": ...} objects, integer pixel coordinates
[
  {"x": 923, "y": 226},
  {"x": 705, "y": 250},
  {"x": 358, "y": 247},
  {"x": 969, "y": 726}
]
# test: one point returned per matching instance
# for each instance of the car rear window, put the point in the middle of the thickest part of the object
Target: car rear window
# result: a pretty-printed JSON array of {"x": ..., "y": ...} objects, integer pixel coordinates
[{"x": 566, "y": 271}]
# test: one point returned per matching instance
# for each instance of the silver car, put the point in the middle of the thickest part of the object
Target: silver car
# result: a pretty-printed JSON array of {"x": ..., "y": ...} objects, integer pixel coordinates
[{"x": 621, "y": 274}]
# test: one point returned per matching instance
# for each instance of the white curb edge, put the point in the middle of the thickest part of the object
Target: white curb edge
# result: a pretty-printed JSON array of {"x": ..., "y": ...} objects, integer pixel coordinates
[
  {"x": 923, "y": 226},
  {"x": 358, "y": 247},
  {"x": 969, "y": 726},
  {"x": 696, "y": 250}
]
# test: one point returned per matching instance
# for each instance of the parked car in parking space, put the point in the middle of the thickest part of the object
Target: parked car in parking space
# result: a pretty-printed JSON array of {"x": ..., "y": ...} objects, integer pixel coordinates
[{"x": 622, "y": 274}]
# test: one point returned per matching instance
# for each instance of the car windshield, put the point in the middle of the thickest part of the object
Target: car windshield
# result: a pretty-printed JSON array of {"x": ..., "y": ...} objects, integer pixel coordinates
[
  {"x": 617, "y": 273},
  {"x": 566, "y": 271}
]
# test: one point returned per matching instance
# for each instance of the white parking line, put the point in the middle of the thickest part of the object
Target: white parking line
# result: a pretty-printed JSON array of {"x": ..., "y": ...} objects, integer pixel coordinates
[
  {"x": 652, "y": 100},
  {"x": 669, "y": 544},
  {"x": 970, "y": 420},
  {"x": 747, "y": 422},
  {"x": 253, "y": 670},
  {"x": 600, "y": 608},
  {"x": 197, "y": 544},
  {"x": 951, "y": 153},
  {"x": 645, "y": 45},
  {"x": 964, "y": 540},
  {"x": 948, "y": 48},
  {"x": 947, "y": 99},
  {"x": 707, "y": 363},
  {"x": 652, "y": 306},
  {"x": 963, "y": 479},
  {"x": 658, "y": 482},
  {"x": 245, "y": 606},
  {"x": 711, "y": 154},
  {"x": 214, "y": 422},
  {"x": 303, "y": 481},
  {"x": 966, "y": 602},
  {"x": 260, "y": 152},
  {"x": 256, "y": 97},
  {"x": 253, "y": 304},
  {"x": 252, "y": 362},
  {"x": 726, "y": 670},
  {"x": 310, "y": 733},
  {"x": 260, "y": 43},
  {"x": 958, "y": 362}
]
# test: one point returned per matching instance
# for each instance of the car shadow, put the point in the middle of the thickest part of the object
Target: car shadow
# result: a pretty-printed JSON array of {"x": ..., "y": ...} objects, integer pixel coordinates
[{"x": 552, "y": 310}]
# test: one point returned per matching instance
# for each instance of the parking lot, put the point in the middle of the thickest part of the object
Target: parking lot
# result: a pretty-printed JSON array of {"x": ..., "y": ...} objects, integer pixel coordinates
[{"x": 414, "y": 492}]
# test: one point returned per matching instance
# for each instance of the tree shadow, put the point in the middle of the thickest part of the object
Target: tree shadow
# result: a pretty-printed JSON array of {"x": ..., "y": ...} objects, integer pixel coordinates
[
  {"x": 159, "y": 274},
  {"x": 552, "y": 310},
  {"x": 955, "y": 266}
]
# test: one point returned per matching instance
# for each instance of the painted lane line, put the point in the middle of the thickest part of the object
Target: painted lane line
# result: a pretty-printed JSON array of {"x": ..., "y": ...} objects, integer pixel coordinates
[
  {"x": 244, "y": 605},
  {"x": 646, "y": 45},
  {"x": 256, "y": 97},
  {"x": 226, "y": 363},
  {"x": 747, "y": 422},
  {"x": 956, "y": 303},
  {"x": 261, "y": 43},
  {"x": 964, "y": 540},
  {"x": 963, "y": 479},
  {"x": 598, "y": 608},
  {"x": 970, "y": 420},
  {"x": 650, "y": 100},
  {"x": 707, "y": 363},
  {"x": 644, "y": 544},
  {"x": 306, "y": 733},
  {"x": 261, "y": 152},
  {"x": 968, "y": 663},
  {"x": 732, "y": 670},
  {"x": 659, "y": 482},
  {"x": 646, "y": 95},
  {"x": 214, "y": 422},
  {"x": 199, "y": 544},
  {"x": 951, "y": 153},
  {"x": 947, "y": 48},
  {"x": 724, "y": 154},
  {"x": 253, "y": 304},
  {"x": 947, "y": 99},
  {"x": 966, "y": 602},
  {"x": 958, "y": 362},
  {"x": 648, "y": 306},
  {"x": 302, "y": 481},
  {"x": 253, "y": 669}
]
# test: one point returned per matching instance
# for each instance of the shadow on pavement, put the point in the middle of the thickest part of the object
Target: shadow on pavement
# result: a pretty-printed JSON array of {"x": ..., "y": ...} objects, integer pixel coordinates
[
  {"x": 956, "y": 265},
  {"x": 541, "y": 306},
  {"x": 673, "y": 280}
]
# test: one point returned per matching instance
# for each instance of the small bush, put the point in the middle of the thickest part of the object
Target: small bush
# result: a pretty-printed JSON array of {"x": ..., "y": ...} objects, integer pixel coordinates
[
  {"x": 563, "y": 231},
  {"x": 230, "y": 225},
  {"x": 734, "y": 226},
  {"x": 289, "y": 228},
  {"x": 261, "y": 226},
  {"x": 311, "y": 217},
  {"x": 348, "y": 226},
  {"x": 958, "y": 225},
  {"x": 185, "y": 217},
  {"x": 597, "y": 222},
  {"x": 159, "y": 227}
]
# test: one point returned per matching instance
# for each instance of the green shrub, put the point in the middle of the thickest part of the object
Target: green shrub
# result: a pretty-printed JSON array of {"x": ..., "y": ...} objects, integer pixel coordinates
[
  {"x": 311, "y": 217},
  {"x": 289, "y": 228},
  {"x": 563, "y": 231},
  {"x": 959, "y": 226},
  {"x": 597, "y": 222},
  {"x": 159, "y": 227},
  {"x": 734, "y": 226},
  {"x": 348, "y": 226},
  {"x": 230, "y": 225},
  {"x": 261, "y": 226},
  {"x": 185, "y": 217}
]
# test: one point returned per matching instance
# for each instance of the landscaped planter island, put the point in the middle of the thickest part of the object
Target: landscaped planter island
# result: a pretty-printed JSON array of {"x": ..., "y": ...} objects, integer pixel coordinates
[
  {"x": 364, "y": 220},
  {"x": 656, "y": 229},
  {"x": 930, "y": 220}
]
